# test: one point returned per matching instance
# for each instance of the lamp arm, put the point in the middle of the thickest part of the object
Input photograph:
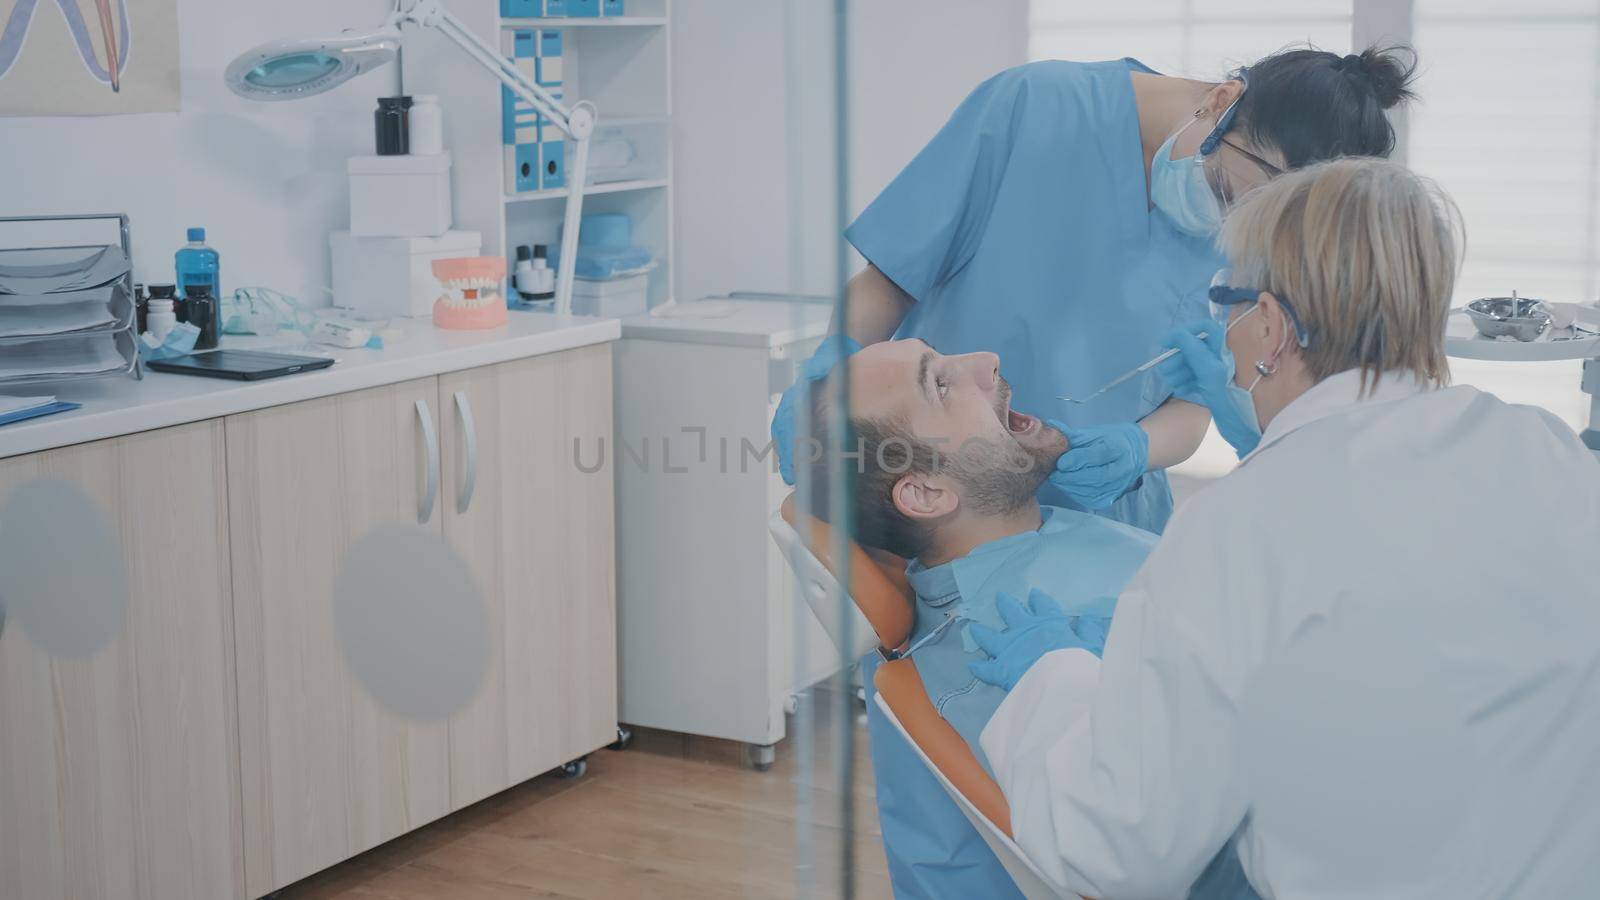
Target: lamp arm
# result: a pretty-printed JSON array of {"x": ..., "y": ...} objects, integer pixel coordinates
[{"x": 577, "y": 122}]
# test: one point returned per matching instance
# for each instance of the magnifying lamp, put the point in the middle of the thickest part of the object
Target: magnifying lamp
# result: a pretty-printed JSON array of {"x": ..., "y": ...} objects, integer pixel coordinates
[{"x": 288, "y": 70}]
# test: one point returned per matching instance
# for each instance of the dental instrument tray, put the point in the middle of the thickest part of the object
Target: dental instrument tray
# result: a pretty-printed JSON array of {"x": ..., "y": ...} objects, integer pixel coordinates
[{"x": 66, "y": 299}]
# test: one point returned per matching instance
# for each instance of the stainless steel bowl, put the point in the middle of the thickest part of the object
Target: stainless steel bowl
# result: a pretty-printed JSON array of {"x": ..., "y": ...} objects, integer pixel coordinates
[{"x": 1520, "y": 317}]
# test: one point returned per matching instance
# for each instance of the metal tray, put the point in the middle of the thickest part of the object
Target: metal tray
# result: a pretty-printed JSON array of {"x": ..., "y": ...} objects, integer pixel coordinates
[{"x": 114, "y": 298}]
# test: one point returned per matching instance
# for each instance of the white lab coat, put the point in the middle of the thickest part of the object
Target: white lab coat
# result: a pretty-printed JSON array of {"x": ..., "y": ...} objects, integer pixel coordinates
[{"x": 1371, "y": 655}]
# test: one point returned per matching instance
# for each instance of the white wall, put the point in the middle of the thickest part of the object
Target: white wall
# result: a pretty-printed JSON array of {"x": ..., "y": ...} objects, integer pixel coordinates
[
  {"x": 754, "y": 209},
  {"x": 266, "y": 180}
]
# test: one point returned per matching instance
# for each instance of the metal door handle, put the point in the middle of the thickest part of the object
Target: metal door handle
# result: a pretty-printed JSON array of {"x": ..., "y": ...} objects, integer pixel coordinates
[
  {"x": 430, "y": 439},
  {"x": 469, "y": 432}
]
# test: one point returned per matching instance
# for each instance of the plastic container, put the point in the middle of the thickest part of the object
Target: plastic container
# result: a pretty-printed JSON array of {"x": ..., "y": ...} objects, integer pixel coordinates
[
  {"x": 160, "y": 320},
  {"x": 616, "y": 297},
  {"x": 391, "y": 126},
  {"x": 427, "y": 126},
  {"x": 201, "y": 308},
  {"x": 197, "y": 264}
]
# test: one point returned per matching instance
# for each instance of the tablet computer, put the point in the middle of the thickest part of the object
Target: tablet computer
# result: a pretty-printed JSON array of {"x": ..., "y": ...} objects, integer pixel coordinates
[{"x": 239, "y": 365}]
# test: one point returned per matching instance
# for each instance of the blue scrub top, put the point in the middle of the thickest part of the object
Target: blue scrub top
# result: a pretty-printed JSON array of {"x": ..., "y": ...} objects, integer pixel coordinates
[{"x": 1024, "y": 228}]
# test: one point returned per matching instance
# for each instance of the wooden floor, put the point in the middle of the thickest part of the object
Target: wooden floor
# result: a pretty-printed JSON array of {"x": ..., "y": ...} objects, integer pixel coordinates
[{"x": 668, "y": 817}]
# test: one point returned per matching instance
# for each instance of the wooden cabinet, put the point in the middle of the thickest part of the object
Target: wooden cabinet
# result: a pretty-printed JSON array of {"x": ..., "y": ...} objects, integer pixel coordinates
[
  {"x": 221, "y": 745},
  {"x": 327, "y": 772},
  {"x": 537, "y": 531},
  {"x": 119, "y": 770}
]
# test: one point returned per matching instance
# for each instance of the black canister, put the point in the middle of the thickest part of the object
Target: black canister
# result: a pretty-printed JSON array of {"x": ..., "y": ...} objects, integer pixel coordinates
[
  {"x": 141, "y": 309},
  {"x": 392, "y": 126},
  {"x": 202, "y": 309}
]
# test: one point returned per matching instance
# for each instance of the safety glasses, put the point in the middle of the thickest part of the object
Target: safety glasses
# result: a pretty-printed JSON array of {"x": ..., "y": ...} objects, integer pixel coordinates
[
  {"x": 1230, "y": 183},
  {"x": 1224, "y": 297}
]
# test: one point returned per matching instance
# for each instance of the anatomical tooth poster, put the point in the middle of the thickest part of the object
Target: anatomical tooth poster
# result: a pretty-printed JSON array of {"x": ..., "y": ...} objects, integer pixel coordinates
[{"x": 88, "y": 57}]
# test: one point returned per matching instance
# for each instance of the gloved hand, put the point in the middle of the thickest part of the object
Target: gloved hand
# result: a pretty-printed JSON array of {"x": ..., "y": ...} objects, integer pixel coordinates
[
  {"x": 1030, "y": 633},
  {"x": 1202, "y": 373},
  {"x": 833, "y": 349},
  {"x": 1102, "y": 462}
]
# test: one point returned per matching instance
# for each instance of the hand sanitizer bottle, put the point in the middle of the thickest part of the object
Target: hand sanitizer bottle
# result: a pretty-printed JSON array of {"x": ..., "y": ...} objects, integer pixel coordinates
[{"x": 198, "y": 264}]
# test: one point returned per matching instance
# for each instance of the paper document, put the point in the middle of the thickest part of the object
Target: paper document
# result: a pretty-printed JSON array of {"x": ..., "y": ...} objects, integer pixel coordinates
[
  {"x": 58, "y": 318},
  {"x": 10, "y": 405},
  {"x": 63, "y": 356}
]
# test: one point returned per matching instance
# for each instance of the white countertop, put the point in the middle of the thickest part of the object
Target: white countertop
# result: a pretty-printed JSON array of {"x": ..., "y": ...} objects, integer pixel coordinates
[
  {"x": 734, "y": 321},
  {"x": 119, "y": 406}
]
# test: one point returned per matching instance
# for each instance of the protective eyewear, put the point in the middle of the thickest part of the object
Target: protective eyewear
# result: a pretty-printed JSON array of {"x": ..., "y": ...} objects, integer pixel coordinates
[
  {"x": 1225, "y": 296},
  {"x": 1225, "y": 184}
]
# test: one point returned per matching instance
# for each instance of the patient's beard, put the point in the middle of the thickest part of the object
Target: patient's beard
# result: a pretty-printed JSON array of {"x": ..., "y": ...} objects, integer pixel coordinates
[{"x": 1000, "y": 477}]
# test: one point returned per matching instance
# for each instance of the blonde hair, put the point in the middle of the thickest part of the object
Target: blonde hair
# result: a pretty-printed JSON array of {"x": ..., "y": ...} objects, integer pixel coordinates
[{"x": 1365, "y": 252}]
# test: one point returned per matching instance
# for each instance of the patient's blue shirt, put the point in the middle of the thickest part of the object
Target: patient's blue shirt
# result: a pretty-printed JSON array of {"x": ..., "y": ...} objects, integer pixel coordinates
[{"x": 1081, "y": 560}]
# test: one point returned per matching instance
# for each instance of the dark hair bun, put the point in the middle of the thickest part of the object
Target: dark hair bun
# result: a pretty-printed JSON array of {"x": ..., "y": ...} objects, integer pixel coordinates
[{"x": 1387, "y": 71}]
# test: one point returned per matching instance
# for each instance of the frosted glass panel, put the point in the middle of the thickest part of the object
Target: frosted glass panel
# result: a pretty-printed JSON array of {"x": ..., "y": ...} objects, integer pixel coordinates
[{"x": 1200, "y": 38}]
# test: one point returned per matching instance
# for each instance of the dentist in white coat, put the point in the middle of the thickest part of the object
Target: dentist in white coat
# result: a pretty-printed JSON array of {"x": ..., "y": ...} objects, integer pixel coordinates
[{"x": 1369, "y": 658}]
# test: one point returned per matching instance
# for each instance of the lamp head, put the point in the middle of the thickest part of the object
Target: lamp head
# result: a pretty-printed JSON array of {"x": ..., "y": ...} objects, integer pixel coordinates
[{"x": 289, "y": 70}]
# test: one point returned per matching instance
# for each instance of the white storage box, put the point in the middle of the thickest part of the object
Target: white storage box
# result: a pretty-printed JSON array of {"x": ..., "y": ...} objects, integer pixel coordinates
[
  {"x": 391, "y": 276},
  {"x": 613, "y": 298},
  {"x": 399, "y": 196}
]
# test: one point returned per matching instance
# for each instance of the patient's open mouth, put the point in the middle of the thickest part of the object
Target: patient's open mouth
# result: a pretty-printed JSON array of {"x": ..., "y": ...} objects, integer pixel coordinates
[{"x": 1021, "y": 423}]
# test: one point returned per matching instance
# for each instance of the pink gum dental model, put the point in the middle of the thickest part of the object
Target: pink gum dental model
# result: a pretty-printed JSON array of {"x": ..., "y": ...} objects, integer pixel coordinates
[{"x": 479, "y": 304}]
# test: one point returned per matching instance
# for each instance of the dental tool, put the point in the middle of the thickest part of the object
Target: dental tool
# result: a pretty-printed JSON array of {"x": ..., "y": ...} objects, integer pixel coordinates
[
  {"x": 1139, "y": 370},
  {"x": 1158, "y": 360}
]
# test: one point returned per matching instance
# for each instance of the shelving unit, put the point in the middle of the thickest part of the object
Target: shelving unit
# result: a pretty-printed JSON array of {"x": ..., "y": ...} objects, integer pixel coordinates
[
  {"x": 609, "y": 187},
  {"x": 612, "y": 22},
  {"x": 621, "y": 64}
]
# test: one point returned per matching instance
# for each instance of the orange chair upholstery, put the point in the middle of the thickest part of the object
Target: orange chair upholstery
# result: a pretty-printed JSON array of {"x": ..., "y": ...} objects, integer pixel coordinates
[
  {"x": 877, "y": 579},
  {"x": 879, "y": 588}
]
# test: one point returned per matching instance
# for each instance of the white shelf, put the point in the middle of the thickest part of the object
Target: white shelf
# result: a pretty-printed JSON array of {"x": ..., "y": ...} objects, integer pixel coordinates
[
  {"x": 576, "y": 22},
  {"x": 609, "y": 187}
]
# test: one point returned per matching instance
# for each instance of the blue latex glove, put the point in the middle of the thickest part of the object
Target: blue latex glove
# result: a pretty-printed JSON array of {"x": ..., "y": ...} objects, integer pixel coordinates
[
  {"x": 1030, "y": 633},
  {"x": 1102, "y": 462},
  {"x": 1202, "y": 373},
  {"x": 834, "y": 347}
]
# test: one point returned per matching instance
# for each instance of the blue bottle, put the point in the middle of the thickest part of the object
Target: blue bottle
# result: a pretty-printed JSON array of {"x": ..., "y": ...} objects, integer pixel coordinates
[{"x": 198, "y": 264}]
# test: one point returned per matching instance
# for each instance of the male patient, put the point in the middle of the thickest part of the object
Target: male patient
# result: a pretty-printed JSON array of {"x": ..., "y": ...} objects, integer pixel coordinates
[{"x": 945, "y": 477}]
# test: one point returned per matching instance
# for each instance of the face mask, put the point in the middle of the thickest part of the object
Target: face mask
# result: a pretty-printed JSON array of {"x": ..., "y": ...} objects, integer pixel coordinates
[
  {"x": 1179, "y": 189},
  {"x": 1241, "y": 397}
]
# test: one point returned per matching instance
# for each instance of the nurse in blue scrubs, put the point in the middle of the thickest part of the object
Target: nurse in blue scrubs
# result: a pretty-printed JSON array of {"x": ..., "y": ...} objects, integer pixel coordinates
[{"x": 1063, "y": 218}]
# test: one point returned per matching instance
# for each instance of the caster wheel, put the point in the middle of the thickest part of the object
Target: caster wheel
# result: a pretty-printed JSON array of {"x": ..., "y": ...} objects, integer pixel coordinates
[
  {"x": 791, "y": 704},
  {"x": 762, "y": 756},
  {"x": 574, "y": 769},
  {"x": 624, "y": 739}
]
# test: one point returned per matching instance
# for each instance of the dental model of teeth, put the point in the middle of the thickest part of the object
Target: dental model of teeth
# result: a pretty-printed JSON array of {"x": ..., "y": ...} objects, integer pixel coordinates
[{"x": 472, "y": 297}]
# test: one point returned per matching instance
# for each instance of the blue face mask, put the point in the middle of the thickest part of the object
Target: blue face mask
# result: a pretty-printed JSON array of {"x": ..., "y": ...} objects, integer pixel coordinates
[
  {"x": 1241, "y": 398},
  {"x": 1178, "y": 187}
]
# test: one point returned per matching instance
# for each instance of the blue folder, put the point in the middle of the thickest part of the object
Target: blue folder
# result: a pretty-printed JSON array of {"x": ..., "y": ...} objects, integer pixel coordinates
[{"x": 37, "y": 411}]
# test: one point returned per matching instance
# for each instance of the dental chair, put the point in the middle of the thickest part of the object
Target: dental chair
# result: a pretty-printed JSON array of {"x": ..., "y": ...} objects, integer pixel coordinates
[{"x": 883, "y": 614}]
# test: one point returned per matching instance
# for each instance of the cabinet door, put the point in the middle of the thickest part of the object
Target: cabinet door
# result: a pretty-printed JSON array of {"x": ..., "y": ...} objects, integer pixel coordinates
[
  {"x": 538, "y": 534},
  {"x": 118, "y": 770},
  {"x": 327, "y": 772}
]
